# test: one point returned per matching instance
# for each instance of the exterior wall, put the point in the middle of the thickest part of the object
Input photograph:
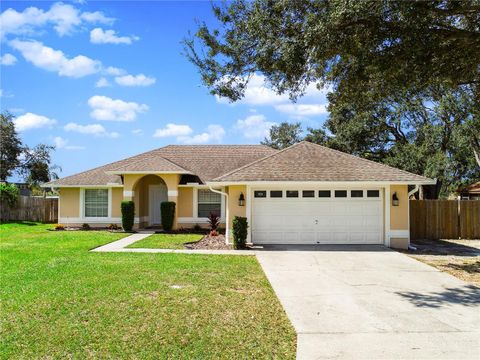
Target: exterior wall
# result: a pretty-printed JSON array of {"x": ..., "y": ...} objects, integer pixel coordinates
[
  {"x": 399, "y": 218},
  {"x": 69, "y": 201},
  {"x": 233, "y": 209},
  {"x": 185, "y": 202},
  {"x": 117, "y": 198}
]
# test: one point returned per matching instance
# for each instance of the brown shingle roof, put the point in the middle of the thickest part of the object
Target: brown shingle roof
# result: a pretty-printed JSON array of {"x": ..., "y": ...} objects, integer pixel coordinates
[
  {"x": 310, "y": 162},
  {"x": 205, "y": 161}
]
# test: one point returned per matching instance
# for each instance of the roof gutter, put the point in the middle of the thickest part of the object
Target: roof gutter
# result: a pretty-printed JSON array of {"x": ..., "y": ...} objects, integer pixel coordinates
[
  {"x": 322, "y": 183},
  {"x": 227, "y": 220}
]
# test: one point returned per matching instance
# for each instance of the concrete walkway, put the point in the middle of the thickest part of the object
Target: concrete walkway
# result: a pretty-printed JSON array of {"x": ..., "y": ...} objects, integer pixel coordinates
[
  {"x": 121, "y": 246},
  {"x": 372, "y": 303}
]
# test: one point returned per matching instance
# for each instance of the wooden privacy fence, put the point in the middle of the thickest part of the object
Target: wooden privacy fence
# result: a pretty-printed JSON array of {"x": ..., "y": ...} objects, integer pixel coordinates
[
  {"x": 30, "y": 208},
  {"x": 444, "y": 219}
]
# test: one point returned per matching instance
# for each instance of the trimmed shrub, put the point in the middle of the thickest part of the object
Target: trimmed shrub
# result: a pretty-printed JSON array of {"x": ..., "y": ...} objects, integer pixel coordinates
[
  {"x": 168, "y": 214},
  {"x": 128, "y": 214},
  {"x": 85, "y": 226},
  {"x": 239, "y": 229},
  {"x": 9, "y": 194}
]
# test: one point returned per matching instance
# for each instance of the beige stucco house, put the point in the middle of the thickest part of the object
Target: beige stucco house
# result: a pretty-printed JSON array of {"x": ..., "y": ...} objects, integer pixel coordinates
[{"x": 305, "y": 194}]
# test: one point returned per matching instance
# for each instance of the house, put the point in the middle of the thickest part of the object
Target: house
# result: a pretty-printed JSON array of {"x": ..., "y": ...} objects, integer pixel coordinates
[
  {"x": 304, "y": 194},
  {"x": 471, "y": 192}
]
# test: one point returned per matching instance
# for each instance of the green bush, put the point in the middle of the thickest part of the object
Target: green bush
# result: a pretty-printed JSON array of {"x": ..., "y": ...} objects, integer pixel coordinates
[
  {"x": 128, "y": 215},
  {"x": 168, "y": 214},
  {"x": 239, "y": 229},
  {"x": 86, "y": 226},
  {"x": 9, "y": 194}
]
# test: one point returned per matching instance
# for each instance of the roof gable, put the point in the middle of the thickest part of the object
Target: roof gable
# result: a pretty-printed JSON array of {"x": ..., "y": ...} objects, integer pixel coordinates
[{"x": 306, "y": 161}]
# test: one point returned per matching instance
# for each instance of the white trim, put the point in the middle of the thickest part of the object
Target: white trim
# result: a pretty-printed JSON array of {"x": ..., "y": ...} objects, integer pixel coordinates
[
  {"x": 196, "y": 220},
  {"x": 172, "y": 193},
  {"x": 324, "y": 183},
  {"x": 248, "y": 213},
  {"x": 129, "y": 193},
  {"x": 387, "y": 216},
  {"x": 399, "y": 234},
  {"x": 113, "y": 172}
]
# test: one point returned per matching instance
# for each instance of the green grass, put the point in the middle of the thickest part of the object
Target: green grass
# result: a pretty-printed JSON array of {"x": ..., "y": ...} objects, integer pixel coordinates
[
  {"x": 166, "y": 241},
  {"x": 60, "y": 301}
]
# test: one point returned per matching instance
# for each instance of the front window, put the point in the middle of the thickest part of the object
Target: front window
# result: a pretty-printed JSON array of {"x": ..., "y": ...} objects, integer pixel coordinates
[
  {"x": 96, "y": 202},
  {"x": 209, "y": 202}
]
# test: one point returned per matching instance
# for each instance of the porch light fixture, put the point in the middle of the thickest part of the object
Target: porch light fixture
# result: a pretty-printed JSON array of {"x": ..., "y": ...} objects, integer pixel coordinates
[
  {"x": 241, "y": 200},
  {"x": 394, "y": 199}
]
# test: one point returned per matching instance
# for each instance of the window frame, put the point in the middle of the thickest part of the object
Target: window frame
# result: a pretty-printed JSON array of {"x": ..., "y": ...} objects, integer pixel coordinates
[
  {"x": 195, "y": 217},
  {"x": 96, "y": 218},
  {"x": 198, "y": 203}
]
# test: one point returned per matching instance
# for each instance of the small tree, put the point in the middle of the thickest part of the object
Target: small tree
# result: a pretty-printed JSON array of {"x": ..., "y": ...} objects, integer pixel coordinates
[
  {"x": 168, "y": 214},
  {"x": 128, "y": 214},
  {"x": 240, "y": 227},
  {"x": 9, "y": 194}
]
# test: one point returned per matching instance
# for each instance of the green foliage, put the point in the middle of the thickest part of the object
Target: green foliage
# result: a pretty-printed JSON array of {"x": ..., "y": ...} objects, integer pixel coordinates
[
  {"x": 10, "y": 146},
  {"x": 240, "y": 231},
  {"x": 86, "y": 226},
  {"x": 168, "y": 214},
  {"x": 9, "y": 194},
  {"x": 283, "y": 135},
  {"x": 362, "y": 47},
  {"x": 128, "y": 214},
  {"x": 35, "y": 166}
]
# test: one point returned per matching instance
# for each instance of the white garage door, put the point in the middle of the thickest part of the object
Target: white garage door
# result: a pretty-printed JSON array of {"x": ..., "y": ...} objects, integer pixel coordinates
[{"x": 330, "y": 216}]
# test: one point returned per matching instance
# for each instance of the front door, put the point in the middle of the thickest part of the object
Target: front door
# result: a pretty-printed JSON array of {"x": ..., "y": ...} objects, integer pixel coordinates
[{"x": 157, "y": 194}]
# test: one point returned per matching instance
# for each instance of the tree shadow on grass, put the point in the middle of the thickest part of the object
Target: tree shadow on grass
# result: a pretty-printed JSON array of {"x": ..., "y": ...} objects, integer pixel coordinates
[
  {"x": 21, "y": 222},
  {"x": 443, "y": 247},
  {"x": 471, "y": 268},
  {"x": 468, "y": 295}
]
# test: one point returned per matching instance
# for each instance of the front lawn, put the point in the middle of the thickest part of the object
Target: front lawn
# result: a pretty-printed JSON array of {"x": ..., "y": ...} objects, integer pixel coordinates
[
  {"x": 61, "y": 301},
  {"x": 166, "y": 241}
]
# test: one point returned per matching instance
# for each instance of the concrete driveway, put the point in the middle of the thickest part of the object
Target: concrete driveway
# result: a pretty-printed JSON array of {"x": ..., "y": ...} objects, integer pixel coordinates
[{"x": 368, "y": 302}]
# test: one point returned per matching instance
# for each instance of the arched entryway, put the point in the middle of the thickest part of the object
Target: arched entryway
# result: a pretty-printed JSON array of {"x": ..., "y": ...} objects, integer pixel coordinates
[{"x": 150, "y": 191}]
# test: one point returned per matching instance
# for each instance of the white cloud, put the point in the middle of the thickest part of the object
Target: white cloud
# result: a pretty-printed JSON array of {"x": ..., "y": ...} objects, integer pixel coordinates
[
  {"x": 102, "y": 82},
  {"x": 173, "y": 130},
  {"x": 92, "y": 129},
  {"x": 61, "y": 143},
  {"x": 114, "y": 71},
  {"x": 100, "y": 36},
  {"x": 137, "y": 132},
  {"x": 32, "y": 121},
  {"x": 301, "y": 110},
  {"x": 8, "y": 59},
  {"x": 312, "y": 103},
  {"x": 105, "y": 108},
  {"x": 135, "y": 80},
  {"x": 254, "y": 126},
  {"x": 55, "y": 60},
  {"x": 65, "y": 18},
  {"x": 5, "y": 94},
  {"x": 214, "y": 133}
]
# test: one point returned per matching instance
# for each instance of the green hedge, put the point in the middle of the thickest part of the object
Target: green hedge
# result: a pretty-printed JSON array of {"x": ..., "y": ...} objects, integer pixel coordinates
[
  {"x": 168, "y": 214},
  {"x": 9, "y": 194},
  {"x": 128, "y": 215},
  {"x": 239, "y": 229}
]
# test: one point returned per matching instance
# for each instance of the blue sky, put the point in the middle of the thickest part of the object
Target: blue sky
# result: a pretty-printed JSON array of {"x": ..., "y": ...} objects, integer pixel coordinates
[{"x": 106, "y": 80}]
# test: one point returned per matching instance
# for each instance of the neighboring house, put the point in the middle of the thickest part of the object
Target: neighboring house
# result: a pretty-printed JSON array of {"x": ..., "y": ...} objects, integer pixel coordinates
[
  {"x": 471, "y": 192},
  {"x": 305, "y": 194}
]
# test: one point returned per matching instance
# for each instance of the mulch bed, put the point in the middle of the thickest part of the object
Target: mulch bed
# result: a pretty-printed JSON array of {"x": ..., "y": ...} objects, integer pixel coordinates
[{"x": 210, "y": 243}]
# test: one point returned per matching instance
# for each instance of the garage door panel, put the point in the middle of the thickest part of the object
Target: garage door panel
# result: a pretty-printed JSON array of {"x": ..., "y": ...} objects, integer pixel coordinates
[{"x": 317, "y": 220}]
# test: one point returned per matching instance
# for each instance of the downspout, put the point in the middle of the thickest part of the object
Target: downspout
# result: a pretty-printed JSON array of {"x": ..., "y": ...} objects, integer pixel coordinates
[
  {"x": 410, "y": 193},
  {"x": 415, "y": 189},
  {"x": 227, "y": 225}
]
